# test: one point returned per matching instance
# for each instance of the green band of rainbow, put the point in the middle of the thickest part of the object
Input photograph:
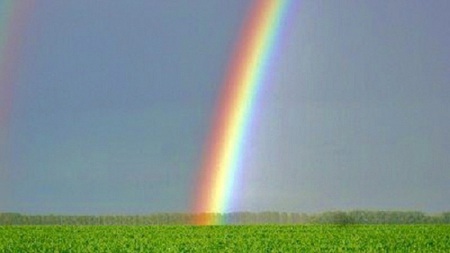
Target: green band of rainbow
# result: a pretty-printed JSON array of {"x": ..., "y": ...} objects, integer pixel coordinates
[{"x": 244, "y": 78}]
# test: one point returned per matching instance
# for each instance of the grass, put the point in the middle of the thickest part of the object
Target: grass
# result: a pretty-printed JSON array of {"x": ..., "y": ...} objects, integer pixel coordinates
[{"x": 256, "y": 238}]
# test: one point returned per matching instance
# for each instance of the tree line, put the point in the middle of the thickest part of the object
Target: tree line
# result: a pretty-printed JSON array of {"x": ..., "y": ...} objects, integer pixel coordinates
[{"x": 237, "y": 218}]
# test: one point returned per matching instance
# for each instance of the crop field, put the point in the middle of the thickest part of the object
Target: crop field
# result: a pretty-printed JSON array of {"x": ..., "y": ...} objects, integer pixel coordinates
[{"x": 255, "y": 238}]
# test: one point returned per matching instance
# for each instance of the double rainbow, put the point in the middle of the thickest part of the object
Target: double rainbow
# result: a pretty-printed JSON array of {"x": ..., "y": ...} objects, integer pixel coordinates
[{"x": 246, "y": 73}]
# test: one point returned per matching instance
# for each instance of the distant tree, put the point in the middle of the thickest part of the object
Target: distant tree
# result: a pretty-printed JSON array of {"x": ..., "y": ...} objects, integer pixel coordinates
[
  {"x": 446, "y": 217},
  {"x": 335, "y": 217}
]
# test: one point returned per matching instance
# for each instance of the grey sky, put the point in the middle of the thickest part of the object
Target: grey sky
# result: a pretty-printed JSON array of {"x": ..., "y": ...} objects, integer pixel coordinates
[{"x": 114, "y": 100}]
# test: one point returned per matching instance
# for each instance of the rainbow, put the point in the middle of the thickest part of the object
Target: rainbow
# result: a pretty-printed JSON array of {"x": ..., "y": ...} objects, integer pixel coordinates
[
  {"x": 246, "y": 73},
  {"x": 13, "y": 18}
]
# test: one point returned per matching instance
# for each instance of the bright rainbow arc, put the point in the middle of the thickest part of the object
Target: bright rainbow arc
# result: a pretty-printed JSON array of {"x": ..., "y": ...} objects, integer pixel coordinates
[{"x": 245, "y": 76}]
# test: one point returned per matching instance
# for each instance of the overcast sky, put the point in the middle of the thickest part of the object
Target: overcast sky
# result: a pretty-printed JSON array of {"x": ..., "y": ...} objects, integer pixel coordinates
[{"x": 113, "y": 101}]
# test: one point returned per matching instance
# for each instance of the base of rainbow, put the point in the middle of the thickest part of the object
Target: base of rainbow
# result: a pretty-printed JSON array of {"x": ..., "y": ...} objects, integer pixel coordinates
[{"x": 247, "y": 70}]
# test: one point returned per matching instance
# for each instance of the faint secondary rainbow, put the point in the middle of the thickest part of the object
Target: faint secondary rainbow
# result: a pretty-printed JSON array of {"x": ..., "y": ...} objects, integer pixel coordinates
[
  {"x": 13, "y": 17},
  {"x": 245, "y": 75}
]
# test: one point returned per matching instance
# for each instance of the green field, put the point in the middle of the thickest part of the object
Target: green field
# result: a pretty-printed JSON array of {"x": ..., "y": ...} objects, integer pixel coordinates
[{"x": 256, "y": 238}]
